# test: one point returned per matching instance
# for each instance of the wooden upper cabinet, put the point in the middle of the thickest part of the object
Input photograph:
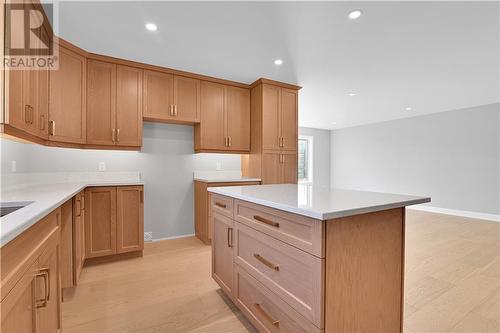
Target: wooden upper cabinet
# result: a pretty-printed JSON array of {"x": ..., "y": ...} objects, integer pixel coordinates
[
  {"x": 187, "y": 102},
  {"x": 101, "y": 102},
  {"x": 100, "y": 221},
  {"x": 271, "y": 117},
  {"x": 130, "y": 218},
  {"x": 158, "y": 94},
  {"x": 225, "y": 119},
  {"x": 289, "y": 119},
  {"x": 128, "y": 106},
  {"x": 238, "y": 118},
  {"x": 67, "y": 99},
  {"x": 212, "y": 134},
  {"x": 114, "y": 104}
]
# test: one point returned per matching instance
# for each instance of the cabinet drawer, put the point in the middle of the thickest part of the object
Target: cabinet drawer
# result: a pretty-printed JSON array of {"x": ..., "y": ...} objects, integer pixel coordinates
[
  {"x": 266, "y": 310},
  {"x": 221, "y": 204},
  {"x": 294, "y": 275},
  {"x": 300, "y": 231}
]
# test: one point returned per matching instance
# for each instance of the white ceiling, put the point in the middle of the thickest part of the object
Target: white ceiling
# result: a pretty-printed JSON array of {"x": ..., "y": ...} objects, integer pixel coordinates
[{"x": 431, "y": 56}]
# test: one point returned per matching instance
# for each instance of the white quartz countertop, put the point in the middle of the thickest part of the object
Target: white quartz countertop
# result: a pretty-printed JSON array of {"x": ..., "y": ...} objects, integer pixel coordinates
[
  {"x": 226, "y": 179},
  {"x": 45, "y": 198},
  {"x": 318, "y": 202}
]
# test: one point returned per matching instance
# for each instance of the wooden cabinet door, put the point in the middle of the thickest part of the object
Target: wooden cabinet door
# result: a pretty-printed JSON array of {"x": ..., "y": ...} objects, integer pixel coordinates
[
  {"x": 128, "y": 106},
  {"x": 271, "y": 168},
  {"x": 101, "y": 102},
  {"x": 130, "y": 219},
  {"x": 67, "y": 98},
  {"x": 289, "y": 168},
  {"x": 18, "y": 307},
  {"x": 288, "y": 119},
  {"x": 222, "y": 252},
  {"x": 66, "y": 255},
  {"x": 212, "y": 127},
  {"x": 158, "y": 92},
  {"x": 78, "y": 235},
  {"x": 271, "y": 117},
  {"x": 238, "y": 118},
  {"x": 17, "y": 111},
  {"x": 100, "y": 221},
  {"x": 48, "y": 318},
  {"x": 186, "y": 99}
]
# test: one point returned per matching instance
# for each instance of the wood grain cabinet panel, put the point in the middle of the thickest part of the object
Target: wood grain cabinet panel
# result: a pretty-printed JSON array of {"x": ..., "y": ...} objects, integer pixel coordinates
[
  {"x": 67, "y": 98},
  {"x": 158, "y": 95},
  {"x": 78, "y": 235},
  {"x": 48, "y": 316},
  {"x": 222, "y": 252},
  {"x": 289, "y": 119},
  {"x": 289, "y": 166},
  {"x": 272, "y": 169},
  {"x": 67, "y": 255},
  {"x": 100, "y": 221},
  {"x": 271, "y": 117},
  {"x": 128, "y": 106},
  {"x": 225, "y": 119},
  {"x": 238, "y": 118},
  {"x": 101, "y": 102},
  {"x": 130, "y": 219},
  {"x": 187, "y": 103}
]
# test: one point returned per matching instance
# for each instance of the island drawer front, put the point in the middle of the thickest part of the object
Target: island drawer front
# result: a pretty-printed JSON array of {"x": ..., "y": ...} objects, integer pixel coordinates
[
  {"x": 300, "y": 231},
  {"x": 267, "y": 312},
  {"x": 221, "y": 204},
  {"x": 294, "y": 275}
]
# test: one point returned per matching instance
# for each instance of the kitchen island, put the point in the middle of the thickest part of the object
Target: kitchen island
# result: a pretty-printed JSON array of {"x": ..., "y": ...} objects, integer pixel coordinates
[{"x": 302, "y": 258}]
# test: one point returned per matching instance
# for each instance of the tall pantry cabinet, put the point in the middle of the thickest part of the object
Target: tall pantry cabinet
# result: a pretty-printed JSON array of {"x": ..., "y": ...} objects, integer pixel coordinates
[{"x": 274, "y": 133}]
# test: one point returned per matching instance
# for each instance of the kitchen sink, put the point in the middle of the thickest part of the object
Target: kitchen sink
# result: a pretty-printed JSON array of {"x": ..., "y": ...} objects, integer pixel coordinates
[{"x": 9, "y": 207}]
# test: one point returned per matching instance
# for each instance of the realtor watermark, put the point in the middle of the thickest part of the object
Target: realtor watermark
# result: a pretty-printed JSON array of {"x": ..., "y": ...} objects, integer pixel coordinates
[{"x": 29, "y": 41}]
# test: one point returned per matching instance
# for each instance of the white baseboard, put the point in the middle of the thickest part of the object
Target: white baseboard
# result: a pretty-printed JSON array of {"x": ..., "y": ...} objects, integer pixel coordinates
[
  {"x": 172, "y": 237},
  {"x": 464, "y": 213}
]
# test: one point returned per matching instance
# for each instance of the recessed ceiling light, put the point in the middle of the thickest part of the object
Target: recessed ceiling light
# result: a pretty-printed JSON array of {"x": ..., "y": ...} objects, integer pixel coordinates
[
  {"x": 352, "y": 94},
  {"x": 334, "y": 123},
  {"x": 278, "y": 62},
  {"x": 151, "y": 26},
  {"x": 355, "y": 14},
  {"x": 408, "y": 108}
]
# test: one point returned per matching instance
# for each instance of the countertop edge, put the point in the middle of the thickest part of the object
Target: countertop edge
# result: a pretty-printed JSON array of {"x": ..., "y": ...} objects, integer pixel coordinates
[
  {"x": 227, "y": 180},
  {"x": 324, "y": 216}
]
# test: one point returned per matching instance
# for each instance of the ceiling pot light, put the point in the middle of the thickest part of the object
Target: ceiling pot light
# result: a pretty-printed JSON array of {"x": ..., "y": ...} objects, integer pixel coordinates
[
  {"x": 355, "y": 14},
  {"x": 278, "y": 62},
  {"x": 151, "y": 26},
  {"x": 408, "y": 108},
  {"x": 352, "y": 94},
  {"x": 334, "y": 123}
]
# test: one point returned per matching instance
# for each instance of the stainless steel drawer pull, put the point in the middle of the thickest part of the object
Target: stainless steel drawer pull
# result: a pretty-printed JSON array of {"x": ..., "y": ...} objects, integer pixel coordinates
[
  {"x": 45, "y": 274},
  {"x": 266, "y": 262},
  {"x": 266, "y": 221},
  {"x": 220, "y": 205},
  {"x": 266, "y": 315}
]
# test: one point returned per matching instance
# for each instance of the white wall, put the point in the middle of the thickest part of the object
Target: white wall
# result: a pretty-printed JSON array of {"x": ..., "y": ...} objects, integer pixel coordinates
[
  {"x": 453, "y": 157},
  {"x": 166, "y": 163},
  {"x": 321, "y": 154}
]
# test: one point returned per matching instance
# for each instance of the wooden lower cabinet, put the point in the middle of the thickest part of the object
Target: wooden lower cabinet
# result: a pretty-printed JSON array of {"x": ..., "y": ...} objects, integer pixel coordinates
[
  {"x": 279, "y": 168},
  {"x": 30, "y": 286},
  {"x": 67, "y": 264},
  {"x": 222, "y": 252},
  {"x": 202, "y": 208},
  {"x": 113, "y": 220},
  {"x": 78, "y": 235}
]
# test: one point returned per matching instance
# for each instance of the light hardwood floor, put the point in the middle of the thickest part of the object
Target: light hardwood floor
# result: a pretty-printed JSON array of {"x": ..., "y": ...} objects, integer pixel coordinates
[{"x": 452, "y": 284}]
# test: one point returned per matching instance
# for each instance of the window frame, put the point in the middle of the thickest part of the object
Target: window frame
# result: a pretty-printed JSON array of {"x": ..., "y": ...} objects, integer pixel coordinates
[{"x": 310, "y": 157}]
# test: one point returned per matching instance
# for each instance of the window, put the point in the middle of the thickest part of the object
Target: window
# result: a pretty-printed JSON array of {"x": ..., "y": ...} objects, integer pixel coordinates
[{"x": 305, "y": 159}]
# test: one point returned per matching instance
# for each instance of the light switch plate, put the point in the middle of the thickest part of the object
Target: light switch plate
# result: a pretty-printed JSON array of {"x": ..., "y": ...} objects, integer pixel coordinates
[
  {"x": 218, "y": 166},
  {"x": 148, "y": 236},
  {"x": 102, "y": 166}
]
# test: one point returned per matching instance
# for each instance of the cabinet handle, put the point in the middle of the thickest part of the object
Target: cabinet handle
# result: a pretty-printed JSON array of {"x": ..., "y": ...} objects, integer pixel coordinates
[
  {"x": 42, "y": 122},
  {"x": 32, "y": 117},
  {"x": 220, "y": 205},
  {"x": 225, "y": 141},
  {"x": 118, "y": 135},
  {"x": 282, "y": 141},
  {"x": 264, "y": 314},
  {"x": 171, "y": 110},
  {"x": 175, "y": 110},
  {"x": 113, "y": 135},
  {"x": 229, "y": 141},
  {"x": 27, "y": 114},
  {"x": 266, "y": 262},
  {"x": 266, "y": 221},
  {"x": 45, "y": 274},
  {"x": 52, "y": 125},
  {"x": 229, "y": 237},
  {"x": 80, "y": 207}
]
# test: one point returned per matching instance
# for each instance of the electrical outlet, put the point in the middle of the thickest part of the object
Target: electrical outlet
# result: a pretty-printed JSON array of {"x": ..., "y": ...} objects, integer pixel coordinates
[
  {"x": 148, "y": 236},
  {"x": 13, "y": 166},
  {"x": 102, "y": 166},
  {"x": 218, "y": 166}
]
